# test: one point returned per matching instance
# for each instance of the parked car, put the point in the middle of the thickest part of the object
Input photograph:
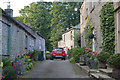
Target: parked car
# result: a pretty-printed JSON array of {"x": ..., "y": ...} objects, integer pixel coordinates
[{"x": 58, "y": 53}]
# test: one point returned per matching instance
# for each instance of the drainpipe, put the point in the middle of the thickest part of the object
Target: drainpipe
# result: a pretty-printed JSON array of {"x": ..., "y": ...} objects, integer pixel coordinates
[
  {"x": 93, "y": 42},
  {"x": 9, "y": 40}
]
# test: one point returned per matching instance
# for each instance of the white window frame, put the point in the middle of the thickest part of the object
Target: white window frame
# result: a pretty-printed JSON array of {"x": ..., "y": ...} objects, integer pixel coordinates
[{"x": 40, "y": 44}]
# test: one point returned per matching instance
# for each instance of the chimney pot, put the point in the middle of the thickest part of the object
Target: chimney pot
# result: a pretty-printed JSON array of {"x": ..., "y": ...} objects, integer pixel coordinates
[{"x": 9, "y": 12}]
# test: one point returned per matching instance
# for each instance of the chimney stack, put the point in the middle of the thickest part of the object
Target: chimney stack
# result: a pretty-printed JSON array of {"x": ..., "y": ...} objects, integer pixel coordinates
[{"x": 8, "y": 10}]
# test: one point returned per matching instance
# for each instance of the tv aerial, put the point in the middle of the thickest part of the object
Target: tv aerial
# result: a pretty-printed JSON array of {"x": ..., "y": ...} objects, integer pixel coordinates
[{"x": 8, "y": 4}]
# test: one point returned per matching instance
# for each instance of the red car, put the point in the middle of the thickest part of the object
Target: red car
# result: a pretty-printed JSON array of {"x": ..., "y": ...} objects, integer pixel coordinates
[{"x": 58, "y": 53}]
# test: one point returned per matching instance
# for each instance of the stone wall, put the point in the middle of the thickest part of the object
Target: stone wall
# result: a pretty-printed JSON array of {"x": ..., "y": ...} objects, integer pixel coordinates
[
  {"x": 67, "y": 42},
  {"x": 0, "y": 33},
  {"x": 5, "y": 28},
  {"x": 15, "y": 39},
  {"x": 43, "y": 47},
  {"x": 117, "y": 26},
  {"x": 91, "y": 10},
  {"x": 61, "y": 43}
]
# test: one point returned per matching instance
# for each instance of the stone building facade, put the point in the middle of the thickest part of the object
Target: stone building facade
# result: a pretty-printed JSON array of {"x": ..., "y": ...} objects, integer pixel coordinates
[
  {"x": 91, "y": 10},
  {"x": 68, "y": 37},
  {"x": 117, "y": 25},
  {"x": 16, "y": 37}
]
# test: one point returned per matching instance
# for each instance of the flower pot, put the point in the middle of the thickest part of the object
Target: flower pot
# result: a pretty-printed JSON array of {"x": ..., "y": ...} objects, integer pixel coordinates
[
  {"x": 102, "y": 65},
  {"x": 92, "y": 64},
  {"x": 116, "y": 73},
  {"x": 87, "y": 60}
]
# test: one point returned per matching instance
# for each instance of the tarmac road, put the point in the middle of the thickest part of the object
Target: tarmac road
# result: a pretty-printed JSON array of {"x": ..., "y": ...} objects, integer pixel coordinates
[{"x": 56, "y": 69}]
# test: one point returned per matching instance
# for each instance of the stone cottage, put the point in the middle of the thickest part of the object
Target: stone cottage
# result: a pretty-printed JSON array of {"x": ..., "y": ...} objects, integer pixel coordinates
[
  {"x": 117, "y": 25},
  {"x": 68, "y": 36},
  {"x": 16, "y": 37},
  {"x": 93, "y": 11}
]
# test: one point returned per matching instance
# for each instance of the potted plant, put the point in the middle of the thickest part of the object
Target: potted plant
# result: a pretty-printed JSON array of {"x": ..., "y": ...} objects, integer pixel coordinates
[
  {"x": 102, "y": 59},
  {"x": 114, "y": 61},
  {"x": 87, "y": 55},
  {"x": 93, "y": 61}
]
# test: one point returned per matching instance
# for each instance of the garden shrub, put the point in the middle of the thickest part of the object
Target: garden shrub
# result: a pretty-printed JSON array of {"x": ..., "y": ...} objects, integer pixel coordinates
[
  {"x": 72, "y": 60},
  {"x": 103, "y": 56},
  {"x": 77, "y": 39},
  {"x": 114, "y": 60},
  {"x": 76, "y": 52},
  {"x": 34, "y": 54},
  {"x": 47, "y": 56},
  {"x": 6, "y": 62},
  {"x": 29, "y": 66},
  {"x": 9, "y": 72},
  {"x": 69, "y": 53}
]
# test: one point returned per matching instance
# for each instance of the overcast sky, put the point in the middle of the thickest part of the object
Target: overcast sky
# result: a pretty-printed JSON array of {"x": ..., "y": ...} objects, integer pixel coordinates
[{"x": 17, "y": 5}]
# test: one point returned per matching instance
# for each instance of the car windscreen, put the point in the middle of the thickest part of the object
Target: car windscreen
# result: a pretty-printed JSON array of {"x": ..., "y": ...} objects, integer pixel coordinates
[{"x": 59, "y": 49}]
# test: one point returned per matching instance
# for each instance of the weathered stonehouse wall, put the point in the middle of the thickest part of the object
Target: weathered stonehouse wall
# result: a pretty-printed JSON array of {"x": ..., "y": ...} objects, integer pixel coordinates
[
  {"x": 67, "y": 41},
  {"x": 40, "y": 44},
  {"x": 0, "y": 34},
  {"x": 17, "y": 37},
  {"x": 91, "y": 10},
  {"x": 117, "y": 26}
]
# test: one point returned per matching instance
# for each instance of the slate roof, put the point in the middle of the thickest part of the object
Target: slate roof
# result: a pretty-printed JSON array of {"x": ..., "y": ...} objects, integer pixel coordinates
[
  {"x": 20, "y": 24},
  {"x": 75, "y": 27}
]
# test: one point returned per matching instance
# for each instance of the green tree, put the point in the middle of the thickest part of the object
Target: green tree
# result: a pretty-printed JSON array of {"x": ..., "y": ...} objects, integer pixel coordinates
[
  {"x": 78, "y": 39},
  {"x": 50, "y": 19},
  {"x": 64, "y": 17},
  {"x": 37, "y": 15}
]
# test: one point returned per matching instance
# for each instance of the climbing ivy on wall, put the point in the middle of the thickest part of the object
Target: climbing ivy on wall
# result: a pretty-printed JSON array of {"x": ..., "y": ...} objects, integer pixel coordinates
[
  {"x": 88, "y": 30},
  {"x": 107, "y": 27}
]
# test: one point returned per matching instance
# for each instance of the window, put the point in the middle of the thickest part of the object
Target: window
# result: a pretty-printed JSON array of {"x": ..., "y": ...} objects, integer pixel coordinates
[
  {"x": 71, "y": 35},
  {"x": 26, "y": 41},
  {"x": 30, "y": 43},
  {"x": 59, "y": 49},
  {"x": 33, "y": 43},
  {"x": 17, "y": 30},
  {"x": 87, "y": 11},
  {"x": 39, "y": 44},
  {"x": 64, "y": 38}
]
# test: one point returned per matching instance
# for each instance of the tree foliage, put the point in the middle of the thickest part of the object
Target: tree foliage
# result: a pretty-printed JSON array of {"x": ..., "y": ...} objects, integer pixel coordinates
[
  {"x": 50, "y": 19},
  {"x": 37, "y": 15},
  {"x": 77, "y": 39},
  {"x": 64, "y": 17}
]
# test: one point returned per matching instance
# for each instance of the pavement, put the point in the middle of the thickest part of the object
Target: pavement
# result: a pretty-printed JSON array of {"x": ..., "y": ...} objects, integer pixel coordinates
[{"x": 56, "y": 69}]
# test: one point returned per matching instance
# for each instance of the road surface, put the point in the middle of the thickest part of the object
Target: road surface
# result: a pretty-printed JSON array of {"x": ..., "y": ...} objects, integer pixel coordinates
[{"x": 56, "y": 69}]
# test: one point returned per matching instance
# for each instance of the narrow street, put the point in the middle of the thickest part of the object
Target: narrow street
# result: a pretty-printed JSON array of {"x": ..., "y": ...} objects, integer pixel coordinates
[{"x": 55, "y": 69}]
